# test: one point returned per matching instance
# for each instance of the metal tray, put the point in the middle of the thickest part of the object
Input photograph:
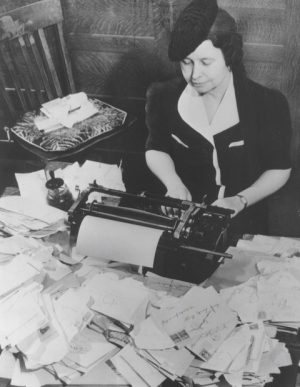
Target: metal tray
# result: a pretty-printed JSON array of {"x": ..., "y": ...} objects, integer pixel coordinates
[{"x": 52, "y": 155}]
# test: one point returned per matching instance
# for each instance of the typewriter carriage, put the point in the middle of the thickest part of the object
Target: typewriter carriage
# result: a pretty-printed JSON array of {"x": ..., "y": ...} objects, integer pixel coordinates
[{"x": 194, "y": 239}]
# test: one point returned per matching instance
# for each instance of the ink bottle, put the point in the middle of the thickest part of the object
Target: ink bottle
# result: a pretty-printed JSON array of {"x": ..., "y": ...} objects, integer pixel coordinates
[{"x": 58, "y": 195}]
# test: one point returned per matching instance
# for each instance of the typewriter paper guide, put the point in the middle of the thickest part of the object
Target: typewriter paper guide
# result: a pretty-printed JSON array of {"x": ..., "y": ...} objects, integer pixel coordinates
[{"x": 118, "y": 241}]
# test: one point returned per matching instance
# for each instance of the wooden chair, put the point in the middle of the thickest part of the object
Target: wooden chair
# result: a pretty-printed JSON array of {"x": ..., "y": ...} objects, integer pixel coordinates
[
  {"x": 34, "y": 68},
  {"x": 34, "y": 61}
]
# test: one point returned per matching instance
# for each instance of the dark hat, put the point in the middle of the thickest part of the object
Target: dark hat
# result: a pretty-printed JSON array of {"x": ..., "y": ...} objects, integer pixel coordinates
[{"x": 192, "y": 28}]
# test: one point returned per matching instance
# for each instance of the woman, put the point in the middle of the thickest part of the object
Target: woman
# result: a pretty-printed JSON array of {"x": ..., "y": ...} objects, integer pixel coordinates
[{"x": 214, "y": 133}]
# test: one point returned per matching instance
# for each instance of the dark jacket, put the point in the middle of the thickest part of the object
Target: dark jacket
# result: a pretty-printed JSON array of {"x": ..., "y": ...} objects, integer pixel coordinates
[{"x": 264, "y": 127}]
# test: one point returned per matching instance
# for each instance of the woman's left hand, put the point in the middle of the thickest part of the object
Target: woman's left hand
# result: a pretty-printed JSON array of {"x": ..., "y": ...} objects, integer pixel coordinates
[{"x": 232, "y": 203}]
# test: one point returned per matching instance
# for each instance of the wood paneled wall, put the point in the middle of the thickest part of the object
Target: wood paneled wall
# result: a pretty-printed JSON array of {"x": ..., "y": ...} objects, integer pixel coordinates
[{"x": 118, "y": 47}]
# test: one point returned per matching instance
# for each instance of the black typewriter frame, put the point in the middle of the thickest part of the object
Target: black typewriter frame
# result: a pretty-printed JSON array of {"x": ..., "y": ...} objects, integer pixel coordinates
[{"x": 195, "y": 238}]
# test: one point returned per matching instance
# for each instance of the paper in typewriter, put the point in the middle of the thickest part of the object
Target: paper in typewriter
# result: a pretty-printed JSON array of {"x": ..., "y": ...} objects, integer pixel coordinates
[{"x": 117, "y": 241}]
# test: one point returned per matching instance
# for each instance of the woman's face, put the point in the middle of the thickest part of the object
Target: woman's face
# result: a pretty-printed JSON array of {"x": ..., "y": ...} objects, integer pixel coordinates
[{"x": 205, "y": 68}]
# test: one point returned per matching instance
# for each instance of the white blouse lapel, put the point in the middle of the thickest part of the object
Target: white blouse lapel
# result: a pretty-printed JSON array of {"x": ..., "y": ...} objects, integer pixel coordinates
[
  {"x": 192, "y": 111},
  {"x": 227, "y": 114}
]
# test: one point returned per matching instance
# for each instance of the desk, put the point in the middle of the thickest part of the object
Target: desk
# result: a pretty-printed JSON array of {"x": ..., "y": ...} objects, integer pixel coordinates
[{"x": 286, "y": 379}]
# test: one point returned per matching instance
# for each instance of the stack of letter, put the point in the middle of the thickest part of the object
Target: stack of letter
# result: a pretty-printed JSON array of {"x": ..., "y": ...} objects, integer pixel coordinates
[
  {"x": 26, "y": 217},
  {"x": 63, "y": 323}
]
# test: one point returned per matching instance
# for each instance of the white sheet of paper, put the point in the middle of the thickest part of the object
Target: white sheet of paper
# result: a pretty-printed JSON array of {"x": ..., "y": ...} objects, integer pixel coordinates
[
  {"x": 137, "y": 371},
  {"x": 17, "y": 244},
  {"x": 42, "y": 351},
  {"x": 86, "y": 110},
  {"x": 234, "y": 379},
  {"x": 7, "y": 364},
  {"x": 118, "y": 300},
  {"x": 23, "y": 315},
  {"x": 243, "y": 299},
  {"x": 118, "y": 241},
  {"x": 195, "y": 316},
  {"x": 278, "y": 296},
  {"x": 285, "y": 247},
  {"x": 63, "y": 372},
  {"x": 292, "y": 265},
  {"x": 24, "y": 378},
  {"x": 218, "y": 328},
  {"x": 19, "y": 224},
  {"x": 15, "y": 273},
  {"x": 88, "y": 347},
  {"x": 228, "y": 351},
  {"x": 16, "y": 379},
  {"x": 239, "y": 269},
  {"x": 262, "y": 243},
  {"x": 46, "y": 124},
  {"x": 148, "y": 336},
  {"x": 72, "y": 311},
  {"x": 280, "y": 355},
  {"x": 267, "y": 366},
  {"x": 33, "y": 182},
  {"x": 103, "y": 372},
  {"x": 29, "y": 207},
  {"x": 107, "y": 175},
  {"x": 175, "y": 361}
]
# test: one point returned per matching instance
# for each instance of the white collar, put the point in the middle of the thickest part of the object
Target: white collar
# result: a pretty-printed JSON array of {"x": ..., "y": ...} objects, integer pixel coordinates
[{"x": 192, "y": 111}]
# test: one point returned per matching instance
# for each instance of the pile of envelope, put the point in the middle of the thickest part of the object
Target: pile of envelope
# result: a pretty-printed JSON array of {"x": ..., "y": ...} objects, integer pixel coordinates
[
  {"x": 65, "y": 112},
  {"x": 276, "y": 246},
  {"x": 57, "y": 319},
  {"x": 26, "y": 217},
  {"x": 202, "y": 340},
  {"x": 271, "y": 296},
  {"x": 65, "y": 321}
]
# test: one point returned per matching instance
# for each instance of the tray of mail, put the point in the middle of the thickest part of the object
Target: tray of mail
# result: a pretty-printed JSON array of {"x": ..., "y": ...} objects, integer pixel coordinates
[{"x": 67, "y": 126}]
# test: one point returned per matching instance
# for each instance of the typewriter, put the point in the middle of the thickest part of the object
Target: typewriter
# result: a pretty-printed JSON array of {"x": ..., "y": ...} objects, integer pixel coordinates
[{"x": 194, "y": 237}]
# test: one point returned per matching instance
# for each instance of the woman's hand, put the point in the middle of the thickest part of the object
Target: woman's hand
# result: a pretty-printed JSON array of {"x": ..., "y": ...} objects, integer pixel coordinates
[
  {"x": 178, "y": 191},
  {"x": 162, "y": 165},
  {"x": 232, "y": 203}
]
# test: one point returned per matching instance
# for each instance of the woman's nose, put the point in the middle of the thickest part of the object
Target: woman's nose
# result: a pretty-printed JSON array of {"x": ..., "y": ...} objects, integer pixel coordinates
[{"x": 197, "y": 71}]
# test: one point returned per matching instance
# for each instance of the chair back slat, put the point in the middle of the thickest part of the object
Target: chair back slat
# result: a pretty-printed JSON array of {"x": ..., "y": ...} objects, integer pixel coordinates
[
  {"x": 7, "y": 98},
  {"x": 19, "y": 66},
  {"x": 65, "y": 57},
  {"x": 13, "y": 77},
  {"x": 30, "y": 67},
  {"x": 30, "y": 41},
  {"x": 34, "y": 62},
  {"x": 49, "y": 62}
]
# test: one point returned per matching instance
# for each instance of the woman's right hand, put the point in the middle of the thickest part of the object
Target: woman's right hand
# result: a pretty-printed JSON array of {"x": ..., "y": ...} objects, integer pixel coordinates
[
  {"x": 162, "y": 165},
  {"x": 177, "y": 191}
]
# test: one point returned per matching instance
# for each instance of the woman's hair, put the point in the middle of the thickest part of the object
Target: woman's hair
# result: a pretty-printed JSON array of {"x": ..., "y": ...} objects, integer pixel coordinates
[
  {"x": 223, "y": 34},
  {"x": 202, "y": 20}
]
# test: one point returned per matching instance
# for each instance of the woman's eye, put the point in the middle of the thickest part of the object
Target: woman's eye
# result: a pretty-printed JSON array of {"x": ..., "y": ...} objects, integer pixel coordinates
[
  {"x": 207, "y": 62},
  {"x": 186, "y": 62}
]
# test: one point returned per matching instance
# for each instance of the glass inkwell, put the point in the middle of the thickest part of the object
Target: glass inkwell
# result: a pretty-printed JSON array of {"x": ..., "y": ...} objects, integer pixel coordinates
[{"x": 58, "y": 195}]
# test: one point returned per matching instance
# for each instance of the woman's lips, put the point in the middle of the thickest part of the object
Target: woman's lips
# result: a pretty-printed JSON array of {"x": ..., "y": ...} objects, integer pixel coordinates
[{"x": 199, "y": 84}]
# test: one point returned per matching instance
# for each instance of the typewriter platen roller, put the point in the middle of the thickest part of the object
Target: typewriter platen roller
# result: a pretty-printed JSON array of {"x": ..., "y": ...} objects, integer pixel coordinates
[{"x": 193, "y": 240}]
